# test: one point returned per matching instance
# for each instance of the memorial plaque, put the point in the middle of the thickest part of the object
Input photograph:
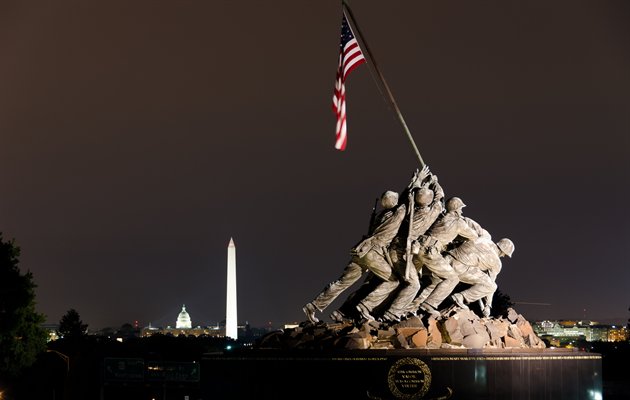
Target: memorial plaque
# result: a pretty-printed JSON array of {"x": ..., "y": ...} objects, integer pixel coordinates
[{"x": 409, "y": 378}]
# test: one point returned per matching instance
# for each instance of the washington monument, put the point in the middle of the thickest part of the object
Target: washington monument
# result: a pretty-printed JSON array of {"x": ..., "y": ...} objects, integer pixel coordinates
[{"x": 231, "y": 325}]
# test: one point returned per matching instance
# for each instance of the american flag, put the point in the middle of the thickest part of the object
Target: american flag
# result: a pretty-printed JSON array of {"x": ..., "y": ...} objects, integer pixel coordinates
[{"x": 350, "y": 57}]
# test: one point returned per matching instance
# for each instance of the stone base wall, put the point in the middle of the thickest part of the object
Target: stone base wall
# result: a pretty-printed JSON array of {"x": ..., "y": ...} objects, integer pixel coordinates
[{"x": 403, "y": 374}]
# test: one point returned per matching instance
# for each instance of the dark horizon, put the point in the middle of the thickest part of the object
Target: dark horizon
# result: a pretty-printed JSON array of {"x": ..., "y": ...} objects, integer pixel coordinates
[{"x": 138, "y": 138}]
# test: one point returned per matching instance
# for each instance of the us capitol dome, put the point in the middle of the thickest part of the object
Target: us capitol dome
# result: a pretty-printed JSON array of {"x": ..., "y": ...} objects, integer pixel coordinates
[
  {"x": 184, "y": 327},
  {"x": 183, "y": 320}
]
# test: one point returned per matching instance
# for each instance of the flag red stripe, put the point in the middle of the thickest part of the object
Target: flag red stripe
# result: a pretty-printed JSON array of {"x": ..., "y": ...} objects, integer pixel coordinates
[{"x": 350, "y": 57}]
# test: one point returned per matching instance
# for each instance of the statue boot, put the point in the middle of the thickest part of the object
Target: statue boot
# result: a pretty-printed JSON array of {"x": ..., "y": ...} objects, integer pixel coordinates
[
  {"x": 389, "y": 317},
  {"x": 309, "y": 309},
  {"x": 429, "y": 309},
  {"x": 364, "y": 312},
  {"x": 458, "y": 299},
  {"x": 337, "y": 316}
]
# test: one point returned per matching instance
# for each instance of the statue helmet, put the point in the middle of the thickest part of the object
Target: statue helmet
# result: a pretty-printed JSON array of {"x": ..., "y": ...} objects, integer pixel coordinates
[
  {"x": 454, "y": 203},
  {"x": 506, "y": 246},
  {"x": 389, "y": 199},
  {"x": 424, "y": 196}
]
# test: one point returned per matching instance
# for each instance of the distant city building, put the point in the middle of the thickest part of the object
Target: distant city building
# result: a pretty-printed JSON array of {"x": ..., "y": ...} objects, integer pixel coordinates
[
  {"x": 563, "y": 331},
  {"x": 183, "y": 320},
  {"x": 183, "y": 326},
  {"x": 618, "y": 334},
  {"x": 52, "y": 331},
  {"x": 248, "y": 335}
]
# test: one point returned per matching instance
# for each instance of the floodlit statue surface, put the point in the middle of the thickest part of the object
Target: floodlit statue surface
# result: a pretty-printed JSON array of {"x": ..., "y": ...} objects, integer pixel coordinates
[
  {"x": 434, "y": 244},
  {"x": 422, "y": 237},
  {"x": 370, "y": 254},
  {"x": 477, "y": 263},
  {"x": 428, "y": 207},
  {"x": 367, "y": 255}
]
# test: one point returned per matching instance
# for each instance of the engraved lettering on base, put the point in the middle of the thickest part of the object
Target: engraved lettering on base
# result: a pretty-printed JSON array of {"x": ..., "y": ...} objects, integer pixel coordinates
[{"x": 409, "y": 378}]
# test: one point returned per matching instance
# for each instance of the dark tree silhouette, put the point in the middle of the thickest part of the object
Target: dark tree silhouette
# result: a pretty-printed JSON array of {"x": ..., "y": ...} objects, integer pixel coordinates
[
  {"x": 127, "y": 331},
  {"x": 500, "y": 304},
  {"x": 21, "y": 336},
  {"x": 71, "y": 326}
]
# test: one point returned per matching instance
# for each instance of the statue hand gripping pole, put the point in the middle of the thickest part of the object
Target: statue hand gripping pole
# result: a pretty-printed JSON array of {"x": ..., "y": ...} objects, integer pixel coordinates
[{"x": 418, "y": 177}]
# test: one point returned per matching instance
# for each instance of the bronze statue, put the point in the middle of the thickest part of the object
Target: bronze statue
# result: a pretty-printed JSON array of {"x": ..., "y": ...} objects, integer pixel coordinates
[
  {"x": 477, "y": 262},
  {"x": 444, "y": 278},
  {"x": 370, "y": 254},
  {"x": 428, "y": 207},
  {"x": 405, "y": 240},
  {"x": 367, "y": 255}
]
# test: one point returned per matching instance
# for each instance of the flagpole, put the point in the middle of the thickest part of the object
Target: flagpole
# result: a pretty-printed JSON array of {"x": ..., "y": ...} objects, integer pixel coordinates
[{"x": 372, "y": 63}]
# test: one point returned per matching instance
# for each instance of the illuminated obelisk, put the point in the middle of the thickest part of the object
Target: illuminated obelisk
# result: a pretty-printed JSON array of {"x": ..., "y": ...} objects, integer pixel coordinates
[{"x": 231, "y": 326}]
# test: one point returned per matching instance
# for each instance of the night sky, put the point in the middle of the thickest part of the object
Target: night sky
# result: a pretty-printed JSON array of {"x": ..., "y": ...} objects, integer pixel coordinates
[{"x": 138, "y": 137}]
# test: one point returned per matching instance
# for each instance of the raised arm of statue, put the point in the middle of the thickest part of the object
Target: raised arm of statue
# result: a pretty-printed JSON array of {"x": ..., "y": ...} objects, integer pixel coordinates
[
  {"x": 437, "y": 189},
  {"x": 418, "y": 177}
]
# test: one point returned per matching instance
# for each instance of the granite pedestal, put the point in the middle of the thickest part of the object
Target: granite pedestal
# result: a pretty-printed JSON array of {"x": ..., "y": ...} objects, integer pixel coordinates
[{"x": 403, "y": 374}]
